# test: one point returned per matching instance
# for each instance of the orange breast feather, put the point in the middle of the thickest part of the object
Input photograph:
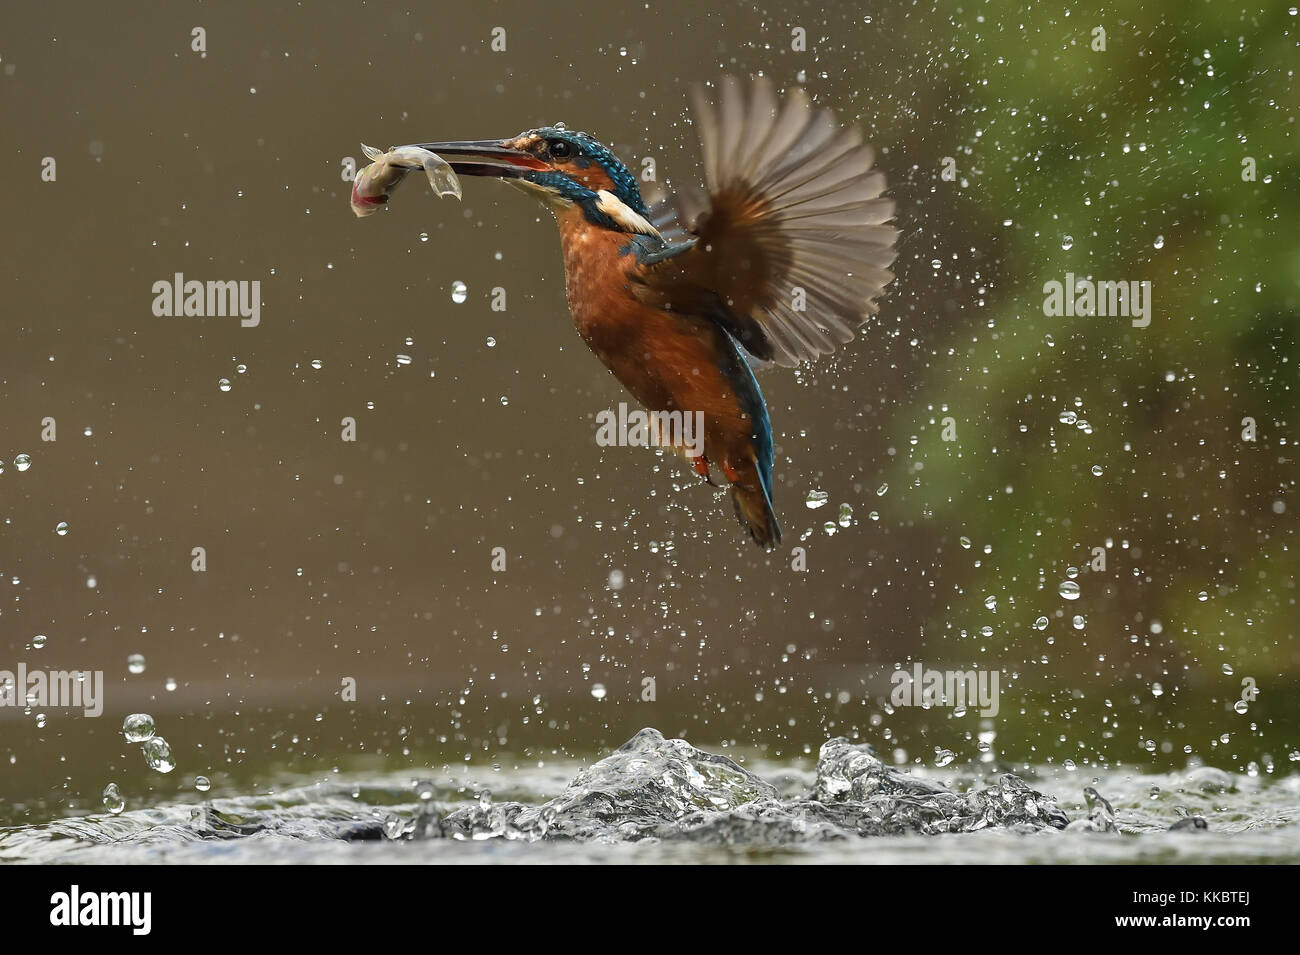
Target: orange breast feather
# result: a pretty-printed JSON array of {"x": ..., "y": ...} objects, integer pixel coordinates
[{"x": 668, "y": 361}]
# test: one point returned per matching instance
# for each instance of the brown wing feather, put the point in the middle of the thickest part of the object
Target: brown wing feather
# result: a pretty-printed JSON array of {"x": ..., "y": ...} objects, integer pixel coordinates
[{"x": 792, "y": 202}]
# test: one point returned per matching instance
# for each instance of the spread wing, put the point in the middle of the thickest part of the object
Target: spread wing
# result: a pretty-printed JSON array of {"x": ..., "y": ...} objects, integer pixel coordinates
[{"x": 789, "y": 248}]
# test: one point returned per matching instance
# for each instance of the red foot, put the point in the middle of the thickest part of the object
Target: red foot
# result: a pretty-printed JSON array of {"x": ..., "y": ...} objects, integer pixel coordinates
[{"x": 702, "y": 468}]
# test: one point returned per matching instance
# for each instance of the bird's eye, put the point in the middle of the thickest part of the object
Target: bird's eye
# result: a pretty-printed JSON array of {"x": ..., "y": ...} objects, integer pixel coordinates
[{"x": 559, "y": 148}]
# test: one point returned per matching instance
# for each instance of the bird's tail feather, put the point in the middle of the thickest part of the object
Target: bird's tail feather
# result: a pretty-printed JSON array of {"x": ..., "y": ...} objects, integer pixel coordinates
[{"x": 754, "y": 508}]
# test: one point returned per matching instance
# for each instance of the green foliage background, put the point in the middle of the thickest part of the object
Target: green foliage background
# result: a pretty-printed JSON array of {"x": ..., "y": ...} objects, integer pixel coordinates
[{"x": 1135, "y": 153}]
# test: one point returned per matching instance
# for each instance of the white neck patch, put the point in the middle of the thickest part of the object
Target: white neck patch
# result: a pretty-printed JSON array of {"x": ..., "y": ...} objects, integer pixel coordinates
[{"x": 627, "y": 217}]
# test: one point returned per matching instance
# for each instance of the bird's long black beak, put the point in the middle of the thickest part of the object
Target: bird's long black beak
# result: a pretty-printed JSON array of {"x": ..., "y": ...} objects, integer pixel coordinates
[{"x": 485, "y": 157}]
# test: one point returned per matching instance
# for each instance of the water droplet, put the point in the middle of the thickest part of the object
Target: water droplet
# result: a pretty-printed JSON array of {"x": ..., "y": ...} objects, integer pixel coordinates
[
  {"x": 170, "y": 684},
  {"x": 202, "y": 783},
  {"x": 38, "y": 642},
  {"x": 317, "y": 364},
  {"x": 1159, "y": 243},
  {"x": 1069, "y": 590},
  {"x": 459, "y": 292},
  {"x": 1202, "y": 596},
  {"x": 1067, "y": 242},
  {"x": 113, "y": 800},
  {"x": 965, "y": 542},
  {"x": 158, "y": 754},
  {"x": 1068, "y": 417},
  {"x": 23, "y": 462},
  {"x": 1241, "y": 706},
  {"x": 224, "y": 384},
  {"x": 423, "y": 789},
  {"x": 942, "y": 757},
  {"x": 138, "y": 727},
  {"x": 816, "y": 499},
  {"x": 61, "y": 528},
  {"x": 616, "y": 579},
  {"x": 598, "y": 691},
  {"x": 1227, "y": 669},
  {"x": 491, "y": 342},
  {"x": 880, "y": 491},
  {"x": 1041, "y": 623},
  {"x": 991, "y": 602},
  {"x": 403, "y": 359},
  {"x": 846, "y": 515},
  {"x": 1096, "y": 470},
  {"x": 1079, "y": 622},
  {"x": 135, "y": 663}
]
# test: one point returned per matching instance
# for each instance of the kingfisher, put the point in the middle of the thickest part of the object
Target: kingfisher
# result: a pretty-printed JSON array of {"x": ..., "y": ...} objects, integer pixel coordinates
[{"x": 778, "y": 261}]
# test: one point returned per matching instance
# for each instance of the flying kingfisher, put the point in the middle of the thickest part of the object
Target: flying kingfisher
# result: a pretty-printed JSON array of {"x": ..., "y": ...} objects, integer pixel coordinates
[{"x": 778, "y": 262}]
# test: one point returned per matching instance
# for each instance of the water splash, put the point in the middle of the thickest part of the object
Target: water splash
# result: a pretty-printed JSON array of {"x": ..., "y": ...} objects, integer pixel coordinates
[
  {"x": 663, "y": 800},
  {"x": 666, "y": 789}
]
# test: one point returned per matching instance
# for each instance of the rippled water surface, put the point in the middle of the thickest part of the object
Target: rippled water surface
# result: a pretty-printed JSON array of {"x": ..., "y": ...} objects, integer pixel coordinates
[{"x": 663, "y": 799}]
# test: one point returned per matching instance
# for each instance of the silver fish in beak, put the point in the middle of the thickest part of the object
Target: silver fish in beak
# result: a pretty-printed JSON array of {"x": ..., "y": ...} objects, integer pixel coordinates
[{"x": 375, "y": 183}]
